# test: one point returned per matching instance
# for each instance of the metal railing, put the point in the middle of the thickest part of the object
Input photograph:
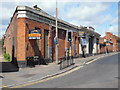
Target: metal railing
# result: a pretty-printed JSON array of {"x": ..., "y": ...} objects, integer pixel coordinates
[{"x": 66, "y": 62}]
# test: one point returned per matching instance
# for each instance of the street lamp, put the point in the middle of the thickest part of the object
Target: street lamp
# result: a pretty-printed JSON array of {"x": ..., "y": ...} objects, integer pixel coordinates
[{"x": 56, "y": 46}]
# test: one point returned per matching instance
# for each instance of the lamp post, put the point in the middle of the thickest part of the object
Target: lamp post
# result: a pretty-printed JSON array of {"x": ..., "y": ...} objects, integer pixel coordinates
[{"x": 56, "y": 46}]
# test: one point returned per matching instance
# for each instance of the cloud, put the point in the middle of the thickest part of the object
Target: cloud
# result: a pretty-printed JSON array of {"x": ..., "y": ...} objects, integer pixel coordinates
[
  {"x": 86, "y": 11},
  {"x": 115, "y": 21},
  {"x": 86, "y": 14},
  {"x": 78, "y": 13},
  {"x": 113, "y": 29},
  {"x": 2, "y": 29}
]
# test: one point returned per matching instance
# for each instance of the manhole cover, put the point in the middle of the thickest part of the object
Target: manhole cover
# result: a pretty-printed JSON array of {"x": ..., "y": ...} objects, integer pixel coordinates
[{"x": 27, "y": 75}]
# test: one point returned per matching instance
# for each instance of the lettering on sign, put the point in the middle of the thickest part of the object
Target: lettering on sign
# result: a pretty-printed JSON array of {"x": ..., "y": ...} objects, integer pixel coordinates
[
  {"x": 80, "y": 34},
  {"x": 34, "y": 34}
]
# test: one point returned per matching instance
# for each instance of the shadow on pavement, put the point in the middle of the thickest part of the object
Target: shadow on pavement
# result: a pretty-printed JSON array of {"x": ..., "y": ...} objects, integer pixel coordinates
[{"x": 8, "y": 67}]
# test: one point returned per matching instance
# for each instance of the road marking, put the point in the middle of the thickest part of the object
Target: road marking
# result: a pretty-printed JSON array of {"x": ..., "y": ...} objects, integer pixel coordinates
[
  {"x": 46, "y": 79},
  {"x": 92, "y": 61},
  {"x": 3, "y": 86},
  {"x": 100, "y": 57},
  {"x": 40, "y": 81}
]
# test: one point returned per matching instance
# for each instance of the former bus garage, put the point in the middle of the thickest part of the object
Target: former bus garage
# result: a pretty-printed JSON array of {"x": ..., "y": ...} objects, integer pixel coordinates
[{"x": 31, "y": 32}]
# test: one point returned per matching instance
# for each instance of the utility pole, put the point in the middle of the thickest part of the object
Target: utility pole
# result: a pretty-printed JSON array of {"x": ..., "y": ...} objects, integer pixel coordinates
[{"x": 56, "y": 47}]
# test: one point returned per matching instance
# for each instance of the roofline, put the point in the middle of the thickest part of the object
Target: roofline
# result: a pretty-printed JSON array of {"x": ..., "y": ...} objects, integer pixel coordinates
[{"x": 20, "y": 8}]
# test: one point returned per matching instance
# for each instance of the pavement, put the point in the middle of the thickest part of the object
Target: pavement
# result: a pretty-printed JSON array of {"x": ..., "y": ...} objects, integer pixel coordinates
[
  {"x": 1, "y": 57},
  {"x": 102, "y": 73},
  {"x": 27, "y": 75}
]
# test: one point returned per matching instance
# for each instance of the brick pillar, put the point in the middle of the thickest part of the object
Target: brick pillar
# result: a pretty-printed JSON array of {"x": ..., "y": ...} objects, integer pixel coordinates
[
  {"x": 80, "y": 48},
  {"x": 66, "y": 43},
  {"x": 42, "y": 43},
  {"x": 77, "y": 46},
  {"x": 87, "y": 45},
  {"x": 21, "y": 43},
  {"x": 94, "y": 46},
  {"x": 50, "y": 43}
]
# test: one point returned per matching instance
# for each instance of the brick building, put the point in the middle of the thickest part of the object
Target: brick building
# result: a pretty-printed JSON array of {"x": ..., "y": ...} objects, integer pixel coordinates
[
  {"x": 109, "y": 42},
  {"x": 19, "y": 43}
]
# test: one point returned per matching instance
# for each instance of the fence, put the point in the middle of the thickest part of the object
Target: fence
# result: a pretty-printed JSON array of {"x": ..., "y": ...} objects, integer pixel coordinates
[{"x": 66, "y": 62}]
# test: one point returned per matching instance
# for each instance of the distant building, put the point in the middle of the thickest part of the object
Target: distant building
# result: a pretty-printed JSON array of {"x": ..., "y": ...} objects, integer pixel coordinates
[
  {"x": 31, "y": 32},
  {"x": 110, "y": 42}
]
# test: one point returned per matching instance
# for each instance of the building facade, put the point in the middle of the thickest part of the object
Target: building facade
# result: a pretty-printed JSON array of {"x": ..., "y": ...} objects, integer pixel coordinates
[
  {"x": 31, "y": 32},
  {"x": 110, "y": 43}
]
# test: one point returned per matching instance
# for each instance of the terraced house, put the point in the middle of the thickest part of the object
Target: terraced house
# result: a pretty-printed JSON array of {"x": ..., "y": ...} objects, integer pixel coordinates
[
  {"x": 31, "y": 32},
  {"x": 110, "y": 43}
]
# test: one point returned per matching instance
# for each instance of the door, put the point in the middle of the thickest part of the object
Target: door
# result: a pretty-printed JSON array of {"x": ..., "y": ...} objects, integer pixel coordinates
[
  {"x": 90, "y": 45},
  {"x": 36, "y": 47},
  {"x": 75, "y": 44},
  {"x": 13, "y": 51},
  {"x": 46, "y": 44}
]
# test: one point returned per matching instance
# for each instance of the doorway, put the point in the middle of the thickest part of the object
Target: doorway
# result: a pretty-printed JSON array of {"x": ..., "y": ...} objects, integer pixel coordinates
[
  {"x": 13, "y": 49},
  {"x": 91, "y": 45},
  {"x": 75, "y": 44},
  {"x": 36, "y": 47}
]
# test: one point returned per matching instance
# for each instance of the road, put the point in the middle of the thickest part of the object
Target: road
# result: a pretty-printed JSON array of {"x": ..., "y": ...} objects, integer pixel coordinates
[{"x": 102, "y": 73}]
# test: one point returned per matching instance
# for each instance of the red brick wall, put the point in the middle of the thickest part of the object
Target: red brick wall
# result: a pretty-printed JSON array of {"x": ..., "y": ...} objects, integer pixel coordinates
[
  {"x": 21, "y": 39},
  {"x": 114, "y": 46},
  {"x": 24, "y": 46},
  {"x": 31, "y": 25},
  {"x": 11, "y": 32},
  {"x": 30, "y": 52},
  {"x": 61, "y": 45},
  {"x": 76, "y": 43}
]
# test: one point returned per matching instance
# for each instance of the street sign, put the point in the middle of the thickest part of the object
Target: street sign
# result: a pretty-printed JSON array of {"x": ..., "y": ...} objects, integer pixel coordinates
[
  {"x": 55, "y": 41},
  {"x": 83, "y": 41}
]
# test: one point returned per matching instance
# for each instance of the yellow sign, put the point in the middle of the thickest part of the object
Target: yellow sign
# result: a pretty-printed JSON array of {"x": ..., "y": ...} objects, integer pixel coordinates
[
  {"x": 107, "y": 44},
  {"x": 80, "y": 33},
  {"x": 34, "y": 35}
]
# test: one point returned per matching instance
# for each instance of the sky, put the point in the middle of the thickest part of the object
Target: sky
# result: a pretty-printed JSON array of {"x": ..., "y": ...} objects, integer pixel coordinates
[{"x": 101, "y": 15}]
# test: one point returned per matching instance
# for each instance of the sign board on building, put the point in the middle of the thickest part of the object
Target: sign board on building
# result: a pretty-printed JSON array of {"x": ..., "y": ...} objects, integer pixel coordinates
[
  {"x": 83, "y": 42},
  {"x": 107, "y": 44},
  {"x": 81, "y": 34},
  {"x": 34, "y": 34}
]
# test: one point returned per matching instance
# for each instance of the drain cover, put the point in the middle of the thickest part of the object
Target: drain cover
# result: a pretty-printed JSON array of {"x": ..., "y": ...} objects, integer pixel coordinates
[{"x": 27, "y": 75}]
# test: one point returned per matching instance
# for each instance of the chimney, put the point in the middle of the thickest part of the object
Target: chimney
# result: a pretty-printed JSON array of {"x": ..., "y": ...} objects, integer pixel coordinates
[{"x": 36, "y": 8}]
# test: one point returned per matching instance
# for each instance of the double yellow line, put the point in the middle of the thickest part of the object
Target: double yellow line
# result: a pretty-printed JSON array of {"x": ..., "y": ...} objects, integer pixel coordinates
[
  {"x": 52, "y": 77},
  {"x": 40, "y": 81},
  {"x": 3, "y": 86}
]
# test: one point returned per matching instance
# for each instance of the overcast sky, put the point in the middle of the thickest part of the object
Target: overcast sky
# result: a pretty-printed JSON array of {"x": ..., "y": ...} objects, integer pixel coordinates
[{"x": 103, "y": 16}]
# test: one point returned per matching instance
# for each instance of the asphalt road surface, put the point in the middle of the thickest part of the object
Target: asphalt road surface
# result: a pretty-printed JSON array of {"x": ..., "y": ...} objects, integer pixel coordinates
[{"x": 102, "y": 73}]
